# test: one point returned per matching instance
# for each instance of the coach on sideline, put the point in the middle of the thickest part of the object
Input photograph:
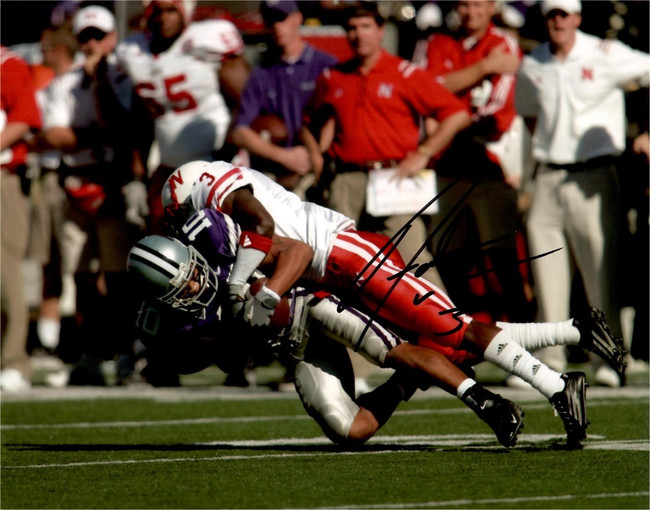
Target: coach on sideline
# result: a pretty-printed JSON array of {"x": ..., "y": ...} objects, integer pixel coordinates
[
  {"x": 570, "y": 93},
  {"x": 372, "y": 102}
]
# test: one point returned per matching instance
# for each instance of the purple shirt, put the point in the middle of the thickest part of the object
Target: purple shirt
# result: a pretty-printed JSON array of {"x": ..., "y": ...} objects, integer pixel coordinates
[{"x": 283, "y": 89}]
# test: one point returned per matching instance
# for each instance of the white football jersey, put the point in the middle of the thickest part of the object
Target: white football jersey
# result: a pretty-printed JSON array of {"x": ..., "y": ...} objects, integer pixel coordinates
[
  {"x": 307, "y": 222},
  {"x": 180, "y": 87}
]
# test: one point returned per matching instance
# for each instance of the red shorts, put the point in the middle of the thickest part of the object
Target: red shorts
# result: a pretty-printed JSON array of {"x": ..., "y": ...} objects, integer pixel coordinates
[{"x": 370, "y": 266}]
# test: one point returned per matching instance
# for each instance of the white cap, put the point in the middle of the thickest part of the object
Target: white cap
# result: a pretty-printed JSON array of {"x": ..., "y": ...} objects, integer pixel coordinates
[
  {"x": 93, "y": 16},
  {"x": 568, "y": 6}
]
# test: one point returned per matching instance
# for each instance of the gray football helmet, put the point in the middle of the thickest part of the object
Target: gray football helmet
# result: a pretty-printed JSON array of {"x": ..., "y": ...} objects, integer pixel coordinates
[{"x": 164, "y": 266}]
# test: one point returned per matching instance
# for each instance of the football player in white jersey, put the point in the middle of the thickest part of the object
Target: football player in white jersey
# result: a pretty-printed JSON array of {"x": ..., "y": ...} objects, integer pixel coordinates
[
  {"x": 181, "y": 321},
  {"x": 366, "y": 267},
  {"x": 189, "y": 77}
]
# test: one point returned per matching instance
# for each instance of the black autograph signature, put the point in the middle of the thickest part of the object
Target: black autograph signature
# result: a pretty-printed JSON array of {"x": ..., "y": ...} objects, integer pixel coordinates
[{"x": 419, "y": 269}]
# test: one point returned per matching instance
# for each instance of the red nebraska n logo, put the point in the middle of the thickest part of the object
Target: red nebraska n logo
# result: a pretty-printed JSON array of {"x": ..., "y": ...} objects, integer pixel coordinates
[
  {"x": 587, "y": 74},
  {"x": 174, "y": 180}
]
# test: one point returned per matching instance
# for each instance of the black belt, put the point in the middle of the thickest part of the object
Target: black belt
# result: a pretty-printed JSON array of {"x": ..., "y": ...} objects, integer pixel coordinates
[
  {"x": 341, "y": 168},
  {"x": 580, "y": 166}
]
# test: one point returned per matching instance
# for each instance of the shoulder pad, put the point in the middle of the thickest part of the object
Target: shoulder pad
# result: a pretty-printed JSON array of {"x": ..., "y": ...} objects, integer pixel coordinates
[{"x": 212, "y": 40}]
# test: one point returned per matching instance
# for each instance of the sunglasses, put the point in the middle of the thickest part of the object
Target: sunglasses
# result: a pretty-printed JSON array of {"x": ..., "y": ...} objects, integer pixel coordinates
[
  {"x": 90, "y": 33},
  {"x": 557, "y": 12},
  {"x": 273, "y": 17}
]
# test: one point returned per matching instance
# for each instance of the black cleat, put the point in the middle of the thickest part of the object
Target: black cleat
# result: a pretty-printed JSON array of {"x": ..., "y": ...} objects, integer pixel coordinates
[
  {"x": 502, "y": 415},
  {"x": 596, "y": 337},
  {"x": 569, "y": 404}
]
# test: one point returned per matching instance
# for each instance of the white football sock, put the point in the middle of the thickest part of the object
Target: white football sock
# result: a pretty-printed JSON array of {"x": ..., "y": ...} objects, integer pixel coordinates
[
  {"x": 464, "y": 386},
  {"x": 507, "y": 354},
  {"x": 48, "y": 331},
  {"x": 535, "y": 335}
]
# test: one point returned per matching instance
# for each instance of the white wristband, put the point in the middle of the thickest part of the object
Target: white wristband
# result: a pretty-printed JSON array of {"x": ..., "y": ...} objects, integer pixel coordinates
[{"x": 267, "y": 297}]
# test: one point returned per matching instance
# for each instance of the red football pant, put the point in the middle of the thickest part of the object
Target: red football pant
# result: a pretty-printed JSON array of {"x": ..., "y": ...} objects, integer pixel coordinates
[{"x": 363, "y": 263}]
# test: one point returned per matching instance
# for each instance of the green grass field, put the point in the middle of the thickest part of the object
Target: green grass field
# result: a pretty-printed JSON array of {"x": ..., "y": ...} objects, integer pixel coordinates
[{"x": 206, "y": 446}]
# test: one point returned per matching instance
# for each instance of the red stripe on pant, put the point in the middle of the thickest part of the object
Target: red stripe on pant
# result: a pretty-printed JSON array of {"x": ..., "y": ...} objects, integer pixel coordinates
[{"x": 410, "y": 302}]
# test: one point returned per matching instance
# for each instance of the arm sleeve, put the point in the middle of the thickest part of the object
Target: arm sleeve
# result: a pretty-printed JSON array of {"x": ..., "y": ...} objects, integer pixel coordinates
[
  {"x": 18, "y": 94},
  {"x": 251, "y": 101},
  {"x": 57, "y": 113},
  {"x": 443, "y": 55},
  {"x": 627, "y": 64}
]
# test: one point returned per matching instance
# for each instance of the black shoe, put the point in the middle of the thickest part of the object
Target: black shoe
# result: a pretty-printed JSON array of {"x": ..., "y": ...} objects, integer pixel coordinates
[
  {"x": 237, "y": 379},
  {"x": 159, "y": 375},
  {"x": 569, "y": 404},
  {"x": 87, "y": 372},
  {"x": 596, "y": 337},
  {"x": 502, "y": 415}
]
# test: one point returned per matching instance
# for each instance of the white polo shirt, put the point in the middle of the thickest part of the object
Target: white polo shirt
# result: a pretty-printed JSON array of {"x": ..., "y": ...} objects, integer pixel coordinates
[{"x": 579, "y": 103}]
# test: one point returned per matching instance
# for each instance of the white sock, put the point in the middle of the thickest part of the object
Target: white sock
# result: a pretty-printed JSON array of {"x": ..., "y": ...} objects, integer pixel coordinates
[
  {"x": 464, "y": 386},
  {"x": 507, "y": 354},
  {"x": 535, "y": 335}
]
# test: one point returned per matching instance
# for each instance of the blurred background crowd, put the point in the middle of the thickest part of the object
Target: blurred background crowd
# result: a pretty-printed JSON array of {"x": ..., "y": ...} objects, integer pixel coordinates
[{"x": 91, "y": 128}]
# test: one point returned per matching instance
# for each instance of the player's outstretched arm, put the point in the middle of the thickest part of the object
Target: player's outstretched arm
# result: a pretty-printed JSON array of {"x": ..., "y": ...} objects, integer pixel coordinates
[{"x": 256, "y": 238}]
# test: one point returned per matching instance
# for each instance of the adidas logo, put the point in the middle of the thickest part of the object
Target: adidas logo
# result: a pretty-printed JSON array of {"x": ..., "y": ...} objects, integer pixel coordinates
[
  {"x": 535, "y": 369},
  {"x": 247, "y": 242},
  {"x": 516, "y": 360},
  {"x": 500, "y": 348}
]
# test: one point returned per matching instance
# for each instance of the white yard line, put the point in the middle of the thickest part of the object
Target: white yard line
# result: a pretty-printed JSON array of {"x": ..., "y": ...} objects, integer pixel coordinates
[
  {"x": 223, "y": 393},
  {"x": 195, "y": 459},
  {"x": 154, "y": 423},
  {"x": 476, "y": 503},
  {"x": 432, "y": 443},
  {"x": 252, "y": 419}
]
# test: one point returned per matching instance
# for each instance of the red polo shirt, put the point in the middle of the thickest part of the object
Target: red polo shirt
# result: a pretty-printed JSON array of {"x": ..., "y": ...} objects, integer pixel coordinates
[
  {"x": 492, "y": 101},
  {"x": 18, "y": 102},
  {"x": 378, "y": 115}
]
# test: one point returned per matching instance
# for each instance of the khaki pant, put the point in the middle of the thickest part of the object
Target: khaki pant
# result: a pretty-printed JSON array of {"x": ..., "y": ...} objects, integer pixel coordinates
[
  {"x": 578, "y": 212},
  {"x": 14, "y": 207},
  {"x": 348, "y": 196}
]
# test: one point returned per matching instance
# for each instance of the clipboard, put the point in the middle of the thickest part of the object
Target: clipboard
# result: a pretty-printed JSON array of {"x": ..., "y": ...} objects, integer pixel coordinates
[{"x": 386, "y": 195}]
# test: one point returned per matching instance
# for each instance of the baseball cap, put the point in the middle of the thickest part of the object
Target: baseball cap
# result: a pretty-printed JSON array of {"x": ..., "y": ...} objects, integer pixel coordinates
[
  {"x": 568, "y": 6},
  {"x": 277, "y": 10},
  {"x": 93, "y": 16}
]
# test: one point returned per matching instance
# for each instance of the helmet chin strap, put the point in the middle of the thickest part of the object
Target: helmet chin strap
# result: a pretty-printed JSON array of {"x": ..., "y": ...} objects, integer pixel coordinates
[{"x": 179, "y": 280}]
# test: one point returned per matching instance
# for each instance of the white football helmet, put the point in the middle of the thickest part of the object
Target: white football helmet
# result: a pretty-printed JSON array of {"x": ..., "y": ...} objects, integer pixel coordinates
[
  {"x": 162, "y": 267},
  {"x": 177, "y": 193},
  {"x": 178, "y": 188}
]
